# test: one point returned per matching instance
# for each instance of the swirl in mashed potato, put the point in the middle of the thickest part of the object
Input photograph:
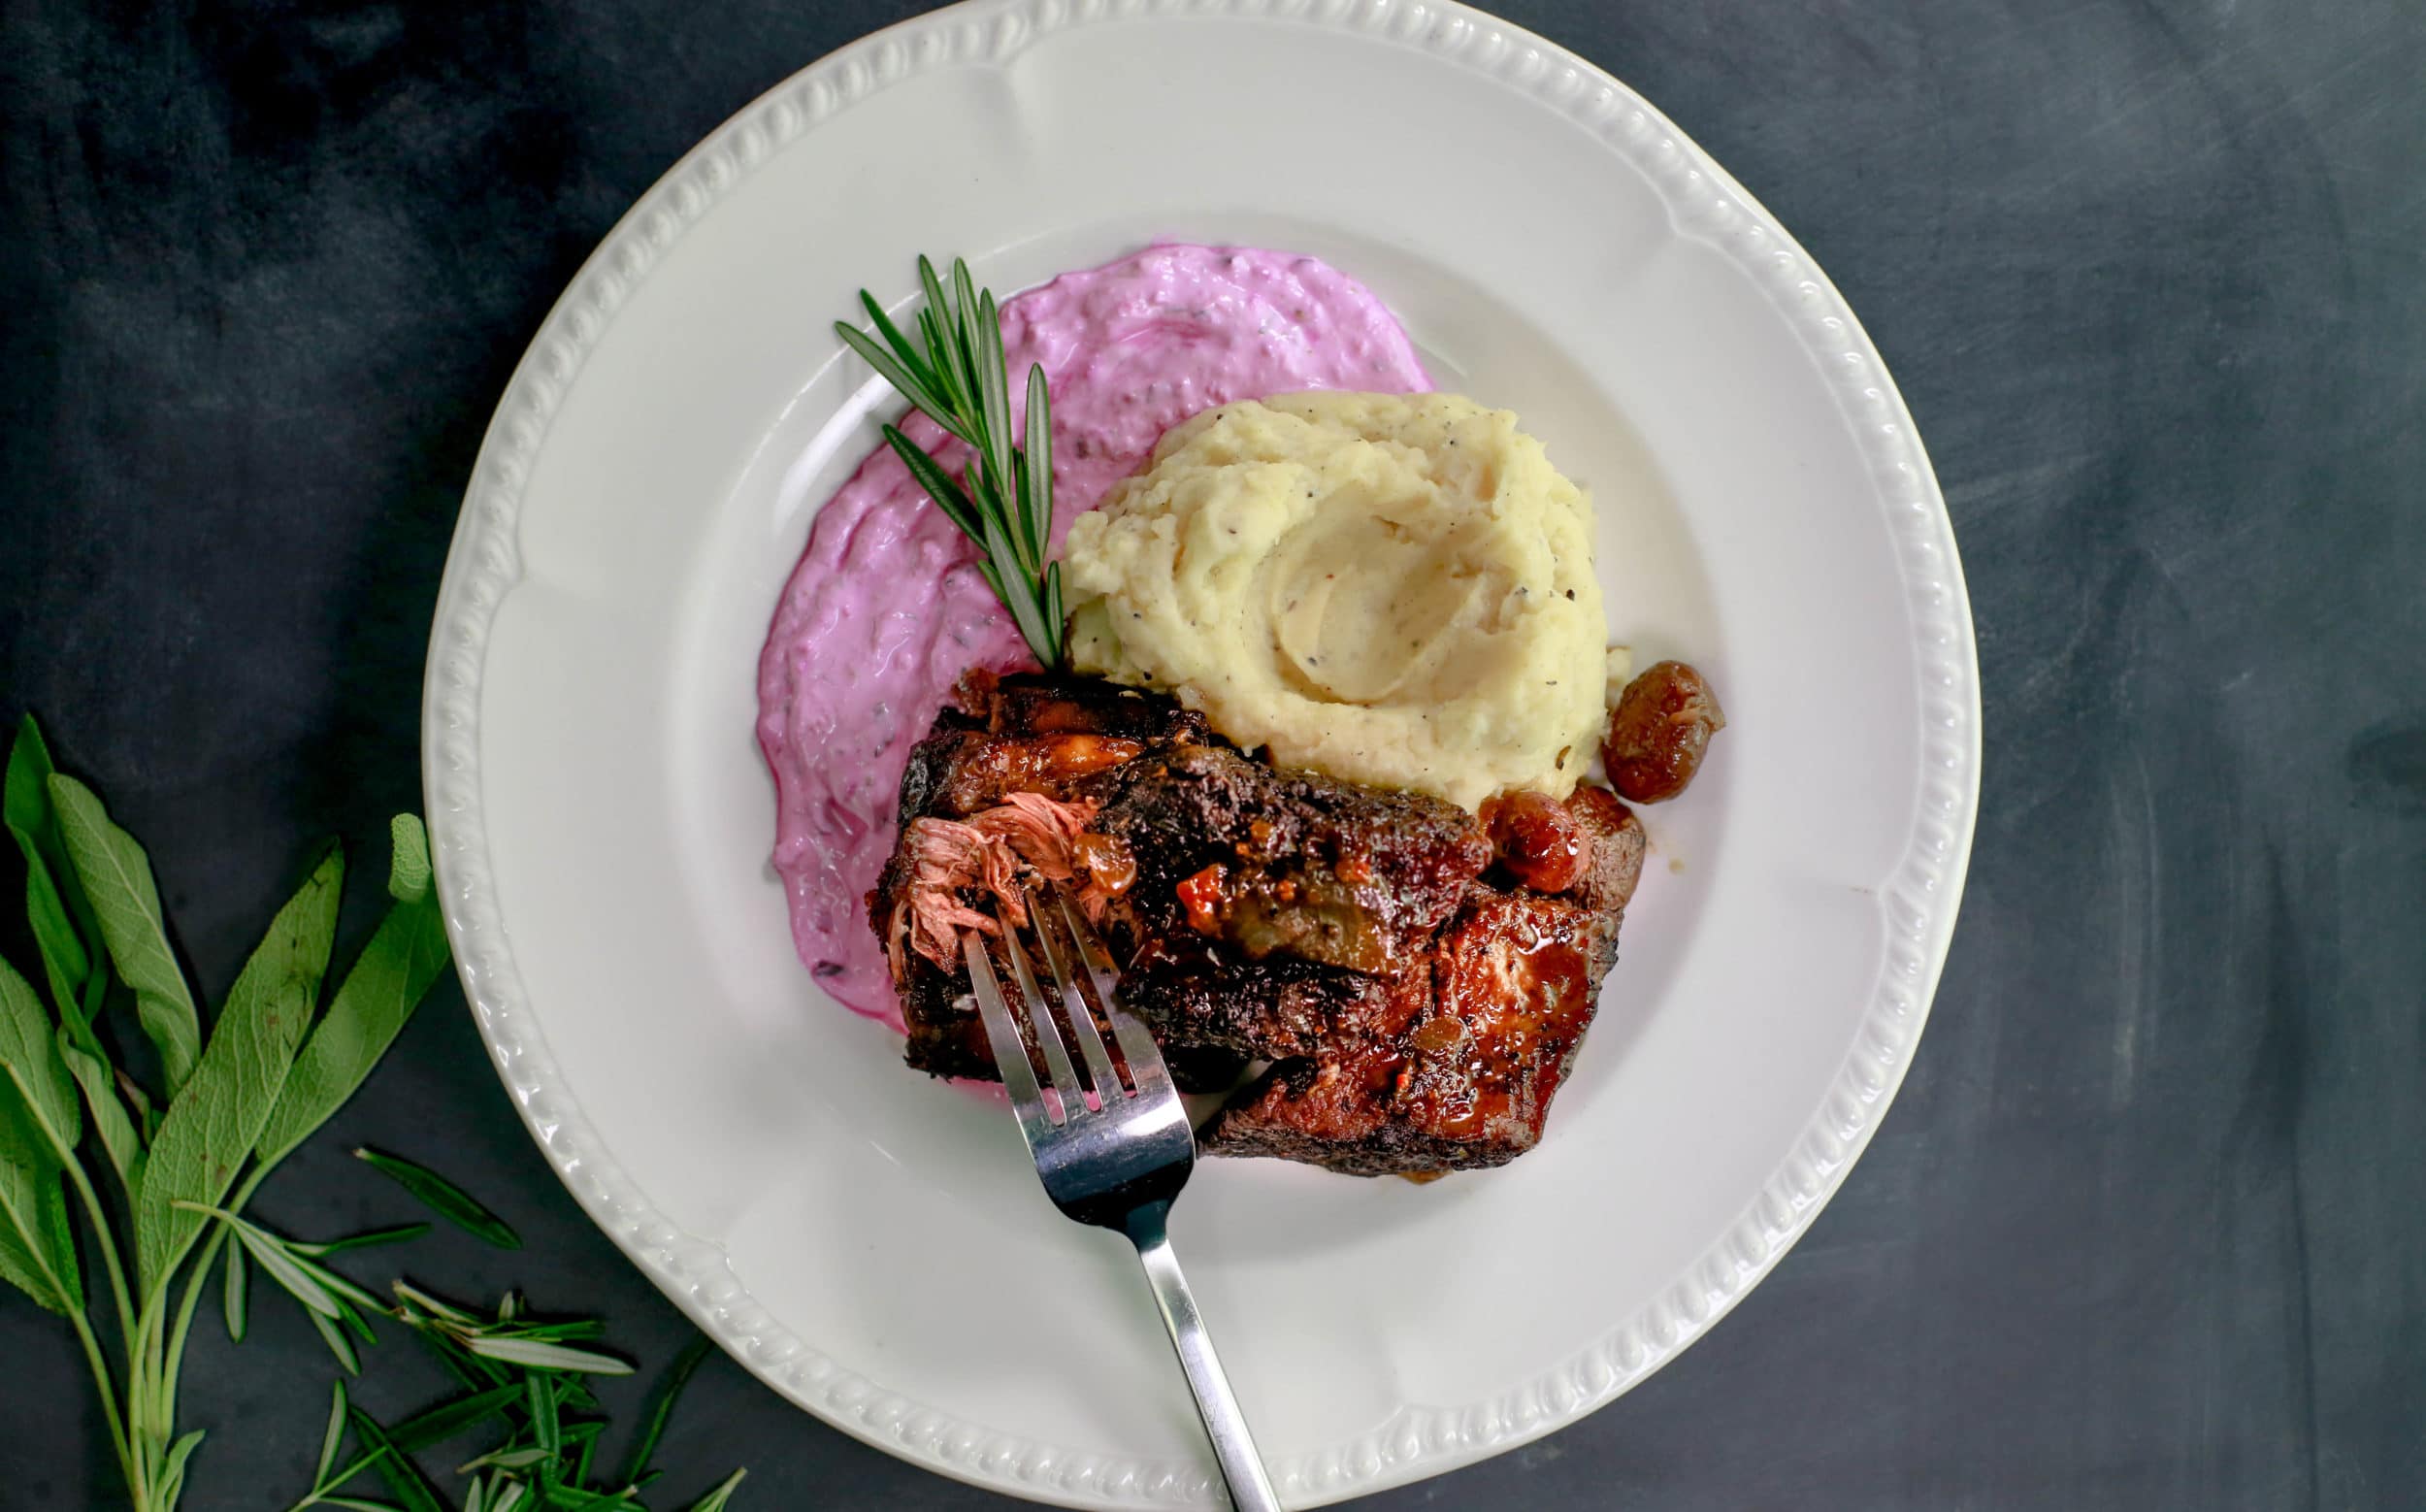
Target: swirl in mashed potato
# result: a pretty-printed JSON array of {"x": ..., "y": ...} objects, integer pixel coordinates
[{"x": 1394, "y": 589}]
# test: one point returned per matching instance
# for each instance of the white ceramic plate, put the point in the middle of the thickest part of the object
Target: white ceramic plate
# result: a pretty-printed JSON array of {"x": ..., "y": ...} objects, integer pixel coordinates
[{"x": 873, "y": 1244}]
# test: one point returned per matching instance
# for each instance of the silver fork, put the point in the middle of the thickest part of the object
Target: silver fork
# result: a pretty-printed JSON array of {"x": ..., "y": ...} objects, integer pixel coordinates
[{"x": 1116, "y": 1162}]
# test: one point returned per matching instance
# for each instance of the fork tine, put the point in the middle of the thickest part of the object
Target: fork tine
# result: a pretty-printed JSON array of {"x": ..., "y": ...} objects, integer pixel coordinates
[
  {"x": 1010, "y": 1052},
  {"x": 1040, "y": 1014},
  {"x": 1145, "y": 1059},
  {"x": 1100, "y": 1072}
]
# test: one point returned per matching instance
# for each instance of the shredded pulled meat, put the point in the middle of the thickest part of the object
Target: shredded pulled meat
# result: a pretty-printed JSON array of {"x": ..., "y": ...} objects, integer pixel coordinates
[{"x": 995, "y": 852}]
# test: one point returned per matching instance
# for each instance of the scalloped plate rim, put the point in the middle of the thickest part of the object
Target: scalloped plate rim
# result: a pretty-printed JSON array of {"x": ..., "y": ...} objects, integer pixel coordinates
[{"x": 483, "y": 567}]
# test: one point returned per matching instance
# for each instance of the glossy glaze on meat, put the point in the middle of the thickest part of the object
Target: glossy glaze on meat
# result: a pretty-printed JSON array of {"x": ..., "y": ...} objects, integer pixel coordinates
[
  {"x": 1453, "y": 1062},
  {"x": 1285, "y": 865},
  {"x": 1417, "y": 979},
  {"x": 1017, "y": 734}
]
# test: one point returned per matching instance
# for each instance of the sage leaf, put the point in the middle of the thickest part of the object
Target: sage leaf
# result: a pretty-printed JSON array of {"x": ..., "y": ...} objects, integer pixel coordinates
[
  {"x": 172, "y": 1468},
  {"x": 124, "y": 1146},
  {"x": 117, "y": 880},
  {"x": 442, "y": 1198},
  {"x": 66, "y": 961},
  {"x": 213, "y": 1123},
  {"x": 29, "y": 1055},
  {"x": 39, "y": 1127},
  {"x": 68, "y": 1274},
  {"x": 234, "y": 1293},
  {"x": 387, "y": 981},
  {"x": 37, "y": 1253},
  {"x": 64, "y": 964},
  {"x": 24, "y": 798},
  {"x": 408, "y": 875}
]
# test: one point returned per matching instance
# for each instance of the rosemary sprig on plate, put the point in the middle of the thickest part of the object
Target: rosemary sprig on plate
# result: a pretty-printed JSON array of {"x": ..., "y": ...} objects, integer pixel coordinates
[{"x": 1003, "y": 498}]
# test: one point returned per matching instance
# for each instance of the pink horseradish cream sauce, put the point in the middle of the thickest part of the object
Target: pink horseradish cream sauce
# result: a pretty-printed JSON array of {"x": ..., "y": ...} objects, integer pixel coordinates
[{"x": 885, "y": 610}]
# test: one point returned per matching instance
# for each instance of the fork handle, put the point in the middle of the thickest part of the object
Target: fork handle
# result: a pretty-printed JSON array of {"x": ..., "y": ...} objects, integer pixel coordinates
[{"x": 1250, "y": 1489}]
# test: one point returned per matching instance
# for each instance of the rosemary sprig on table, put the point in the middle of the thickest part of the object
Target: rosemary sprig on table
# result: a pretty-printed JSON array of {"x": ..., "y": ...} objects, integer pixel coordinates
[
  {"x": 522, "y": 1382},
  {"x": 522, "y": 1385},
  {"x": 1003, "y": 501}
]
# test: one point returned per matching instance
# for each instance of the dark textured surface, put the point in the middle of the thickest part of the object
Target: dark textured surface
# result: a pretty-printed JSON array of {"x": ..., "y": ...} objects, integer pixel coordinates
[{"x": 2148, "y": 1227}]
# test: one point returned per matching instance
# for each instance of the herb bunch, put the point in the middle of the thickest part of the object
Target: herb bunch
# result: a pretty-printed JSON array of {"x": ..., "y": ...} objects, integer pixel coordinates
[
  {"x": 522, "y": 1379},
  {"x": 154, "y": 1169},
  {"x": 1003, "y": 498}
]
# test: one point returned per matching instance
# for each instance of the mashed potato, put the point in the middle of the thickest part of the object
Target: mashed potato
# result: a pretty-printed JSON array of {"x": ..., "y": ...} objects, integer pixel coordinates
[{"x": 1394, "y": 589}]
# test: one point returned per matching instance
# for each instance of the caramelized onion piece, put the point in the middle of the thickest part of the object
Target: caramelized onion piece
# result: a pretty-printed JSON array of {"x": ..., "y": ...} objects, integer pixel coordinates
[{"x": 1107, "y": 862}]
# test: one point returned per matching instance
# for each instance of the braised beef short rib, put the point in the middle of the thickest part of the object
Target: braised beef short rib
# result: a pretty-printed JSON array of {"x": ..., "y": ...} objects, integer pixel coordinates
[
  {"x": 1452, "y": 1063},
  {"x": 1418, "y": 1005}
]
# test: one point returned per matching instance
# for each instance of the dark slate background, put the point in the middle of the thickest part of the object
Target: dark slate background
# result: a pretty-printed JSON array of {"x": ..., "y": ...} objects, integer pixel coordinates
[{"x": 2145, "y": 1228}]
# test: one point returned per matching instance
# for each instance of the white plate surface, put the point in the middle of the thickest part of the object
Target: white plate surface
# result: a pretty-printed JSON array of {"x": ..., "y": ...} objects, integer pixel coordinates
[{"x": 873, "y": 1244}]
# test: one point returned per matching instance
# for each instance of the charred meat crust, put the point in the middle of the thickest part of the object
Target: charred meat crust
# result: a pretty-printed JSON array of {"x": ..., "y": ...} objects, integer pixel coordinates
[
  {"x": 1420, "y": 1004},
  {"x": 1285, "y": 864},
  {"x": 947, "y": 1038},
  {"x": 1027, "y": 733},
  {"x": 1262, "y": 1010},
  {"x": 1453, "y": 1065},
  {"x": 1049, "y": 732}
]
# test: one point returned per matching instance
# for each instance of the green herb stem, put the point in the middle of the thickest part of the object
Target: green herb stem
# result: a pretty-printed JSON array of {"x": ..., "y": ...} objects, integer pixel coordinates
[
  {"x": 103, "y": 1383},
  {"x": 1003, "y": 499},
  {"x": 277, "y": 1064},
  {"x": 101, "y": 1228},
  {"x": 175, "y": 1362}
]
